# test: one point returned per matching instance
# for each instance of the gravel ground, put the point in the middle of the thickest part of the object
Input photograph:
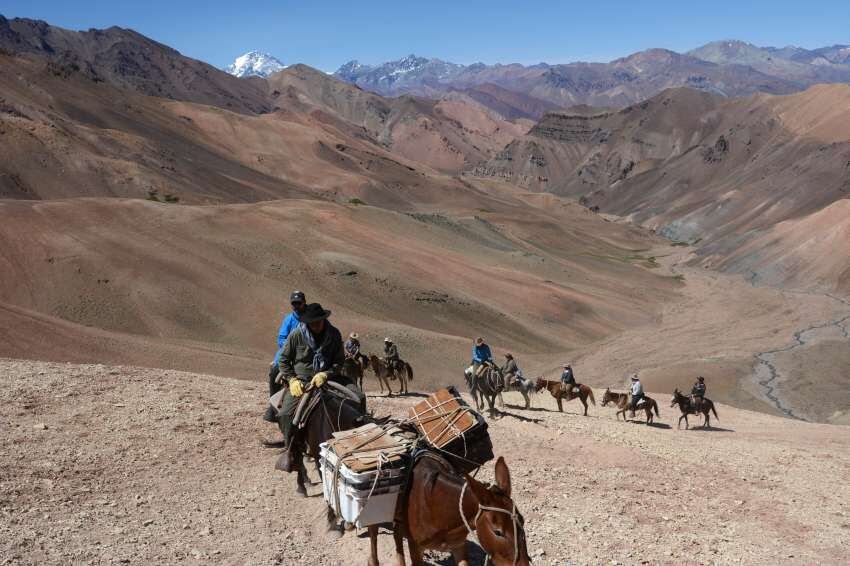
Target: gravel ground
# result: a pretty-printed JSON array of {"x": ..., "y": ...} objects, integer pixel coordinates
[{"x": 103, "y": 465}]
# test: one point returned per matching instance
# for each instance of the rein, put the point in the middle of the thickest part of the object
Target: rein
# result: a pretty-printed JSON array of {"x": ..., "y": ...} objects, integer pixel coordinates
[{"x": 471, "y": 529}]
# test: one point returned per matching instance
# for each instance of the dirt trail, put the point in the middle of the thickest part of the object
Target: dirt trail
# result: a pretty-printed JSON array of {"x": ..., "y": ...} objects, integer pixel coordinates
[{"x": 118, "y": 465}]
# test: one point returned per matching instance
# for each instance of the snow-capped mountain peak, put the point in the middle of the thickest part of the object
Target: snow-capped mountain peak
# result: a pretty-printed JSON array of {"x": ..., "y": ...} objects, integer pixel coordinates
[{"x": 255, "y": 63}]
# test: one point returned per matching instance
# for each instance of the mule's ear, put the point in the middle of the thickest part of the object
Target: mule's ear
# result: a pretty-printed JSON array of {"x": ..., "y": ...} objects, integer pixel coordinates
[
  {"x": 477, "y": 488},
  {"x": 503, "y": 476}
]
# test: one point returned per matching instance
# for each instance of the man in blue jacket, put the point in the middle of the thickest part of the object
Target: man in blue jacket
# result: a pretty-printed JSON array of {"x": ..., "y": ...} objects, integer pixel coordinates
[
  {"x": 480, "y": 354},
  {"x": 290, "y": 322}
]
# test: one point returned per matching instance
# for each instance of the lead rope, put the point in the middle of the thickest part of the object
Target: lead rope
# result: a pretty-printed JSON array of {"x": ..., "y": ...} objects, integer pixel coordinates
[{"x": 512, "y": 513}]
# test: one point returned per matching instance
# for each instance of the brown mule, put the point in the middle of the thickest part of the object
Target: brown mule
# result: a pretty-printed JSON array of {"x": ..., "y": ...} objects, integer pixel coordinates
[
  {"x": 385, "y": 374},
  {"x": 621, "y": 401},
  {"x": 347, "y": 414},
  {"x": 687, "y": 408},
  {"x": 443, "y": 508},
  {"x": 557, "y": 391}
]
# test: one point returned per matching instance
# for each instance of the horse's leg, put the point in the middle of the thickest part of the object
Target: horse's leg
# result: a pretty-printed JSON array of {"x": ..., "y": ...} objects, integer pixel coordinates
[
  {"x": 399, "y": 546},
  {"x": 560, "y": 404},
  {"x": 679, "y": 426},
  {"x": 526, "y": 398},
  {"x": 707, "y": 422},
  {"x": 301, "y": 476},
  {"x": 501, "y": 401},
  {"x": 415, "y": 553},
  {"x": 583, "y": 399},
  {"x": 687, "y": 424},
  {"x": 373, "y": 545}
]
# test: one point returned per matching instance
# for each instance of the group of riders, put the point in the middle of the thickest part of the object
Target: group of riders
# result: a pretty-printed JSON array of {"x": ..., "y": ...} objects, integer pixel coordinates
[{"x": 311, "y": 351}]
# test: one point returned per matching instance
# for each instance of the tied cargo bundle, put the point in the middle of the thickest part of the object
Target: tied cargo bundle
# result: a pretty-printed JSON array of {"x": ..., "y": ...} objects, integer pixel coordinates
[
  {"x": 454, "y": 429},
  {"x": 363, "y": 471}
]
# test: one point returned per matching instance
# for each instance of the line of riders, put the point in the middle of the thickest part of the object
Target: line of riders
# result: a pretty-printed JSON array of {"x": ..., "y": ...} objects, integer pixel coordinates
[
  {"x": 482, "y": 359},
  {"x": 310, "y": 351}
]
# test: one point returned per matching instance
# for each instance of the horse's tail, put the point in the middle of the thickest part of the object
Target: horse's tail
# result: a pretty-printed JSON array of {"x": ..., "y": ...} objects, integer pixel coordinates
[
  {"x": 590, "y": 395},
  {"x": 713, "y": 410},
  {"x": 655, "y": 406},
  {"x": 409, "y": 371}
]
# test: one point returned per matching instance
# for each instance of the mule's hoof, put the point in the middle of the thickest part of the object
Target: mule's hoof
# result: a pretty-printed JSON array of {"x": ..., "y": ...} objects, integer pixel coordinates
[
  {"x": 301, "y": 491},
  {"x": 334, "y": 532}
]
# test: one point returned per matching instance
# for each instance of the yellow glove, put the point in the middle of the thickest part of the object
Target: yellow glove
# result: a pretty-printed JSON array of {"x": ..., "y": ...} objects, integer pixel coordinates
[
  {"x": 296, "y": 389},
  {"x": 319, "y": 379}
]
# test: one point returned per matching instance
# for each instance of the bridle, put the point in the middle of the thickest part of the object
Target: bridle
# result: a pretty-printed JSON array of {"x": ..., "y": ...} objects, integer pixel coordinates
[{"x": 513, "y": 514}]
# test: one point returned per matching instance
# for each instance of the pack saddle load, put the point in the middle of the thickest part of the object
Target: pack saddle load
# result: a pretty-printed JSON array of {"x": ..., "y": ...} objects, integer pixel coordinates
[{"x": 365, "y": 470}]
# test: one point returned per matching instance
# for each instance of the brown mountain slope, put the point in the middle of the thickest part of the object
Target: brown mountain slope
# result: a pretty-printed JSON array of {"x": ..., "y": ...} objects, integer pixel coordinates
[
  {"x": 448, "y": 135},
  {"x": 127, "y": 59},
  {"x": 534, "y": 280},
  {"x": 696, "y": 166},
  {"x": 66, "y": 136}
]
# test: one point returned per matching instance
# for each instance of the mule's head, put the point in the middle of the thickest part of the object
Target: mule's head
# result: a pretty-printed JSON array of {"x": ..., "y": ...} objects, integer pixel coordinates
[
  {"x": 539, "y": 384},
  {"x": 607, "y": 397},
  {"x": 499, "y": 525},
  {"x": 676, "y": 397}
]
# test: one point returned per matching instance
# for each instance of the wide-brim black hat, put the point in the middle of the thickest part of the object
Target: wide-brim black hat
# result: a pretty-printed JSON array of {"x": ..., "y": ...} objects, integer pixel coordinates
[{"x": 314, "y": 312}]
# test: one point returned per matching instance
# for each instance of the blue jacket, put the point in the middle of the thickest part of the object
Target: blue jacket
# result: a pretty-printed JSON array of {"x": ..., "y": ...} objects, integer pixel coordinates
[
  {"x": 481, "y": 354},
  {"x": 290, "y": 323}
]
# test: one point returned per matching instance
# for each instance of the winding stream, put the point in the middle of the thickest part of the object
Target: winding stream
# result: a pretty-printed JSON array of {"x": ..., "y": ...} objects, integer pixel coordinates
[{"x": 768, "y": 375}]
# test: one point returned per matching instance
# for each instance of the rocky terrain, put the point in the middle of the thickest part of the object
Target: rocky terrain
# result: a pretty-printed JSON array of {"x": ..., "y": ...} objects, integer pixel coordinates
[
  {"x": 116, "y": 465},
  {"x": 747, "y": 179}
]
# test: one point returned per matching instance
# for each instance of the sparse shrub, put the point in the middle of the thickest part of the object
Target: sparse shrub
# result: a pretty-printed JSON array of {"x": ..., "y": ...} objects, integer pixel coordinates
[
  {"x": 355, "y": 201},
  {"x": 171, "y": 198}
]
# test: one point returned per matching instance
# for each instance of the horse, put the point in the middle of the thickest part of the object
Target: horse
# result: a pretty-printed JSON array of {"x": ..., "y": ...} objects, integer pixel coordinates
[
  {"x": 338, "y": 409},
  {"x": 524, "y": 386},
  {"x": 621, "y": 401},
  {"x": 385, "y": 373},
  {"x": 557, "y": 391},
  {"x": 687, "y": 408},
  {"x": 442, "y": 508},
  {"x": 487, "y": 385},
  {"x": 354, "y": 368}
]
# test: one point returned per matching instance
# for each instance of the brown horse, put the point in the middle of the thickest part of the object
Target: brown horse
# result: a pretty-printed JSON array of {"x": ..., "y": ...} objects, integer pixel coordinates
[
  {"x": 385, "y": 373},
  {"x": 354, "y": 368},
  {"x": 443, "y": 508},
  {"x": 557, "y": 391},
  {"x": 336, "y": 400},
  {"x": 687, "y": 408},
  {"x": 621, "y": 401}
]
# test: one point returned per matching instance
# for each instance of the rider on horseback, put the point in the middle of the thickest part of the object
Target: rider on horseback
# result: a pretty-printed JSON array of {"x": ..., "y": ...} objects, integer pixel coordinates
[
  {"x": 637, "y": 393},
  {"x": 352, "y": 346},
  {"x": 481, "y": 355},
  {"x": 568, "y": 380},
  {"x": 313, "y": 352},
  {"x": 289, "y": 323},
  {"x": 511, "y": 370},
  {"x": 698, "y": 394},
  {"x": 391, "y": 356}
]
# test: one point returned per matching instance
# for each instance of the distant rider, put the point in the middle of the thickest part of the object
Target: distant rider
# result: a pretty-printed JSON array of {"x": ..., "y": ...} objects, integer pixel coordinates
[
  {"x": 391, "y": 356},
  {"x": 352, "y": 346},
  {"x": 481, "y": 355},
  {"x": 698, "y": 394},
  {"x": 568, "y": 380},
  {"x": 290, "y": 322},
  {"x": 637, "y": 393},
  {"x": 511, "y": 370},
  {"x": 312, "y": 353}
]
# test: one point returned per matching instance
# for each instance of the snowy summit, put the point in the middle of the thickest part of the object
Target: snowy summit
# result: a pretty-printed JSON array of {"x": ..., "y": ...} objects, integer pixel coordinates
[{"x": 255, "y": 64}]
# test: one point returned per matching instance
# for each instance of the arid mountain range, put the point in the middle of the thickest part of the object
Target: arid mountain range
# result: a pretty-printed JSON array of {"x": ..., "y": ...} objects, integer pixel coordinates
[
  {"x": 729, "y": 68},
  {"x": 157, "y": 210}
]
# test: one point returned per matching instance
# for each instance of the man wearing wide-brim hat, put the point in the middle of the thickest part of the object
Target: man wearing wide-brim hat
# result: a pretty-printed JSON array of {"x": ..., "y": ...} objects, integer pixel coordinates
[{"x": 313, "y": 352}]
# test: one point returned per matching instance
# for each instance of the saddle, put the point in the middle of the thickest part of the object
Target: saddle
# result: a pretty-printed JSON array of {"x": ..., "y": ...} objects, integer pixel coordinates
[{"x": 311, "y": 399}]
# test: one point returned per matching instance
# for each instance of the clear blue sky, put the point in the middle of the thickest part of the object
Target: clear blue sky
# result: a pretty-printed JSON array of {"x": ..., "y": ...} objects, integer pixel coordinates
[{"x": 327, "y": 34}]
